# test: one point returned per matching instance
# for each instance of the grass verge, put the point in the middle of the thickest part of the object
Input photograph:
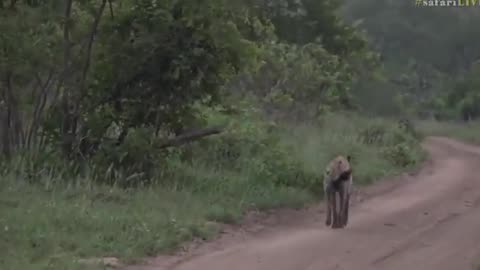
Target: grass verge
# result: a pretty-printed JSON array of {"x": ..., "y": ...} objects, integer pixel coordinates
[
  {"x": 467, "y": 132},
  {"x": 256, "y": 165}
]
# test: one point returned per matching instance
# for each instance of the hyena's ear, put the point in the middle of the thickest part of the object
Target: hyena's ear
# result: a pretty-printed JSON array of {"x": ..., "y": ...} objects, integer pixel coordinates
[{"x": 349, "y": 158}]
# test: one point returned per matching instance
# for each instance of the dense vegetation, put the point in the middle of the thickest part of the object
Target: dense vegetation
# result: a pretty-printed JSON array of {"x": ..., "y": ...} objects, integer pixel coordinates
[
  {"x": 429, "y": 58},
  {"x": 129, "y": 127}
]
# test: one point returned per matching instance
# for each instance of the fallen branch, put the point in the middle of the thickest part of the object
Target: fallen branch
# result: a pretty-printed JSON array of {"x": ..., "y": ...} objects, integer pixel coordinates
[{"x": 191, "y": 136}]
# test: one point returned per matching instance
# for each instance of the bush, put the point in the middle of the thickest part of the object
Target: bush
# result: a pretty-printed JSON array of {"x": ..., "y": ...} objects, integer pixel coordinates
[
  {"x": 398, "y": 143},
  {"x": 373, "y": 133},
  {"x": 295, "y": 156},
  {"x": 401, "y": 154}
]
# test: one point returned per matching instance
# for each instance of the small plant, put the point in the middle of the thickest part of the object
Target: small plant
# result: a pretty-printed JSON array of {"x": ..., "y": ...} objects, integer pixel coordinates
[{"x": 373, "y": 134}]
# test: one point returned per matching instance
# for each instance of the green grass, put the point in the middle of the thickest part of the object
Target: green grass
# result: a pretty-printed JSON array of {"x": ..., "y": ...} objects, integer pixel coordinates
[
  {"x": 48, "y": 226},
  {"x": 43, "y": 228},
  {"x": 467, "y": 132}
]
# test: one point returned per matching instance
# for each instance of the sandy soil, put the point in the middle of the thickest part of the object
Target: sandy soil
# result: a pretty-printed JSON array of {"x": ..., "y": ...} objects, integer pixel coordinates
[{"x": 426, "y": 220}]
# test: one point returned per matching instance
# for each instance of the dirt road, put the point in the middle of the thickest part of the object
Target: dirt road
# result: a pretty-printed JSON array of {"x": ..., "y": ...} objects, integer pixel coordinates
[{"x": 430, "y": 220}]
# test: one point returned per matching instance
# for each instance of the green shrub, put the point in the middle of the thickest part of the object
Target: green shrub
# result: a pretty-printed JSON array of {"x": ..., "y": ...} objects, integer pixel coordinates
[
  {"x": 373, "y": 133},
  {"x": 400, "y": 154}
]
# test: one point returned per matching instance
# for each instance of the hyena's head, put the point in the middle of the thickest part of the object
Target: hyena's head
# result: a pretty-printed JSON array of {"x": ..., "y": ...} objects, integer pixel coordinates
[{"x": 339, "y": 168}]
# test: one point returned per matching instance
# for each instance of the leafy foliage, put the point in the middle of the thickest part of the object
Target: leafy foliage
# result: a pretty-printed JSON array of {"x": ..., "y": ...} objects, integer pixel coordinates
[
  {"x": 419, "y": 64},
  {"x": 464, "y": 98},
  {"x": 102, "y": 73}
]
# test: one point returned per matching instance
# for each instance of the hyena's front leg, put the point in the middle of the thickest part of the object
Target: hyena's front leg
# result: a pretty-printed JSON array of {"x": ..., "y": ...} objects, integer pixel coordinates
[
  {"x": 341, "y": 207},
  {"x": 336, "y": 217},
  {"x": 341, "y": 214},
  {"x": 348, "y": 192},
  {"x": 328, "y": 200},
  {"x": 347, "y": 206}
]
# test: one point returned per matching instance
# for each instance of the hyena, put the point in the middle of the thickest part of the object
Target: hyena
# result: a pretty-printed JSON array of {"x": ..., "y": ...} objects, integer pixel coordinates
[{"x": 338, "y": 179}]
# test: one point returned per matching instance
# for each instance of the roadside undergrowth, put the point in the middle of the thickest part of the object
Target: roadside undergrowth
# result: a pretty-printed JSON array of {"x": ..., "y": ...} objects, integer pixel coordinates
[
  {"x": 255, "y": 164},
  {"x": 467, "y": 132}
]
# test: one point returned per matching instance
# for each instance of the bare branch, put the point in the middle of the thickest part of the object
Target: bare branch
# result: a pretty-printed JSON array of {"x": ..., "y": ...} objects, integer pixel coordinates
[
  {"x": 86, "y": 67},
  {"x": 66, "y": 64},
  {"x": 91, "y": 40},
  {"x": 111, "y": 9},
  {"x": 40, "y": 102},
  {"x": 191, "y": 136},
  {"x": 12, "y": 4}
]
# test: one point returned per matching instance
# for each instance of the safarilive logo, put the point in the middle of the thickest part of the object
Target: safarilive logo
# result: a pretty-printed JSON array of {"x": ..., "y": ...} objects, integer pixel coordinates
[{"x": 447, "y": 3}]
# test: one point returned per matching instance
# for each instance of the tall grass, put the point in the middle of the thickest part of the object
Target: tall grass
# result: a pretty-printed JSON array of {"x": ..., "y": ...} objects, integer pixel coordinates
[
  {"x": 468, "y": 132},
  {"x": 254, "y": 165}
]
